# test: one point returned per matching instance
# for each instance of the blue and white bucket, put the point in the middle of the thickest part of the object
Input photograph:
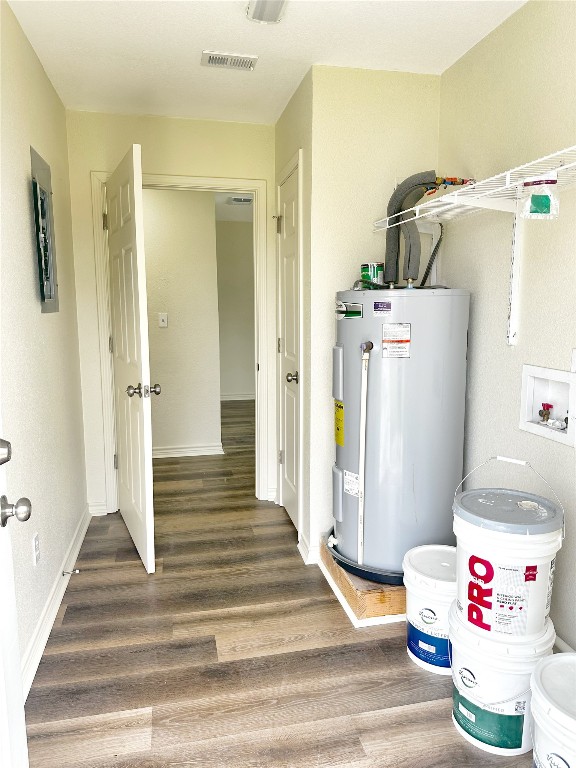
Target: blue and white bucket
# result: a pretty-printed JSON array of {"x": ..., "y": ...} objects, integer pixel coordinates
[
  {"x": 553, "y": 687},
  {"x": 491, "y": 685},
  {"x": 430, "y": 581}
]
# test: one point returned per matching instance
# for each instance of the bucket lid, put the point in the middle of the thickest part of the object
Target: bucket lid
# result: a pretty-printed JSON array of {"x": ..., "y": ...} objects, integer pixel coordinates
[
  {"x": 507, "y": 511},
  {"x": 434, "y": 562},
  {"x": 511, "y": 647},
  {"x": 554, "y": 683}
]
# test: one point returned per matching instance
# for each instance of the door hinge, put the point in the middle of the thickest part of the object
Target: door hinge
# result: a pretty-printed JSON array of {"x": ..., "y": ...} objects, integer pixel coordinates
[
  {"x": 111, "y": 344},
  {"x": 280, "y": 457},
  {"x": 279, "y": 345},
  {"x": 278, "y": 224},
  {"x": 115, "y": 461},
  {"x": 105, "y": 221}
]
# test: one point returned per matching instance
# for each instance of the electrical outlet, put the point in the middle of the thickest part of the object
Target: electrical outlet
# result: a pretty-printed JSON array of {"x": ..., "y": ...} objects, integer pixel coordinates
[{"x": 36, "y": 548}]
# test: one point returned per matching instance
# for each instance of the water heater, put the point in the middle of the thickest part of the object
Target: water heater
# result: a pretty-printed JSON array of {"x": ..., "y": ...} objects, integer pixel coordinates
[{"x": 399, "y": 379}]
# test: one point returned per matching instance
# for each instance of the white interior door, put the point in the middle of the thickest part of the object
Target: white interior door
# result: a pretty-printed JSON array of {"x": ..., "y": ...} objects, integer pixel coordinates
[
  {"x": 129, "y": 318},
  {"x": 289, "y": 344},
  {"x": 13, "y": 746}
]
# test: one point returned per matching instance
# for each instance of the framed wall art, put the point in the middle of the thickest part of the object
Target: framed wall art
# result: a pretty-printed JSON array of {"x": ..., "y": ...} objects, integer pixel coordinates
[{"x": 44, "y": 232}]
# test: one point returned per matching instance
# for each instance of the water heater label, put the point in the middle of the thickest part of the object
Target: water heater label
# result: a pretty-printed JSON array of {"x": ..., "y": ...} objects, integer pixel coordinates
[
  {"x": 351, "y": 483},
  {"x": 382, "y": 308},
  {"x": 339, "y": 423},
  {"x": 396, "y": 339}
]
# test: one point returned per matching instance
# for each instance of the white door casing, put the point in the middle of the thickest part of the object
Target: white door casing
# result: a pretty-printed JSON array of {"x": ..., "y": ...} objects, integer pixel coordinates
[
  {"x": 130, "y": 353},
  {"x": 266, "y": 439},
  {"x": 289, "y": 342}
]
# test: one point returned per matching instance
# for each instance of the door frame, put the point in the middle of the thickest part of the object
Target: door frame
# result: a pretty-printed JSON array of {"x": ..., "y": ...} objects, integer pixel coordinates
[
  {"x": 264, "y": 433},
  {"x": 294, "y": 165}
]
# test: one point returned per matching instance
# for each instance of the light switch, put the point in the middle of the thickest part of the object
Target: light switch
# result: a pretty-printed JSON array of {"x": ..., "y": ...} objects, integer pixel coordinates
[{"x": 162, "y": 319}]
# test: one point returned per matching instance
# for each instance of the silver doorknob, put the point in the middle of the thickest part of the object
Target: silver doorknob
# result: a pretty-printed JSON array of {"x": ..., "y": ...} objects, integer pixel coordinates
[
  {"x": 292, "y": 377},
  {"x": 21, "y": 510},
  {"x": 131, "y": 391},
  {"x": 5, "y": 451},
  {"x": 156, "y": 389}
]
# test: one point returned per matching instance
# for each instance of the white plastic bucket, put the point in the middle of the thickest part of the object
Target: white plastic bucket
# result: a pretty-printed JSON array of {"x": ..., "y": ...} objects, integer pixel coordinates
[
  {"x": 553, "y": 686},
  {"x": 430, "y": 581},
  {"x": 506, "y": 547},
  {"x": 491, "y": 686}
]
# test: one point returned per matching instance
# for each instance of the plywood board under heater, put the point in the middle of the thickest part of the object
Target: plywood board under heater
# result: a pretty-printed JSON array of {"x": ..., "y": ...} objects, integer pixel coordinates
[{"x": 366, "y": 602}]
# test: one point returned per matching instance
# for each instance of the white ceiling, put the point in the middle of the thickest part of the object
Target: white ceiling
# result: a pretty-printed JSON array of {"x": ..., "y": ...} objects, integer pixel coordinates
[{"x": 143, "y": 56}]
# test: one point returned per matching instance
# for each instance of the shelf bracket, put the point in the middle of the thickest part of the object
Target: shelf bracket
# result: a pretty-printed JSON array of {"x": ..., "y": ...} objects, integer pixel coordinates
[{"x": 515, "y": 270}]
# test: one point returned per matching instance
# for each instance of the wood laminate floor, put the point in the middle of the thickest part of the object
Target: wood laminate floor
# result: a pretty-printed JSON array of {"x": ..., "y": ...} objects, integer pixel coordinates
[{"x": 234, "y": 654}]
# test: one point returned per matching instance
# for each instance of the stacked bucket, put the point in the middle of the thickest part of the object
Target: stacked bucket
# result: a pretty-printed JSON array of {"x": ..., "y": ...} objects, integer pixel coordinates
[
  {"x": 430, "y": 581},
  {"x": 499, "y": 628},
  {"x": 479, "y": 612},
  {"x": 553, "y": 685}
]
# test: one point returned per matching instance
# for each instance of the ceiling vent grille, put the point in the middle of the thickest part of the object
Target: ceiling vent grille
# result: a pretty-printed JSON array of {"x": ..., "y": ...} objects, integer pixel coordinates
[
  {"x": 228, "y": 60},
  {"x": 239, "y": 201}
]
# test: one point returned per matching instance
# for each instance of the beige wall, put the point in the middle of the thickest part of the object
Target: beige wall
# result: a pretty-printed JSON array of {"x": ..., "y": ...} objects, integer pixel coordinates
[
  {"x": 235, "y": 259},
  {"x": 180, "y": 238},
  {"x": 502, "y": 108},
  {"x": 169, "y": 146},
  {"x": 362, "y": 130},
  {"x": 41, "y": 408}
]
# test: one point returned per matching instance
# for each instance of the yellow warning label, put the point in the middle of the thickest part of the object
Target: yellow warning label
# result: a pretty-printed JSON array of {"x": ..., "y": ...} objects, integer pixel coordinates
[{"x": 339, "y": 423}]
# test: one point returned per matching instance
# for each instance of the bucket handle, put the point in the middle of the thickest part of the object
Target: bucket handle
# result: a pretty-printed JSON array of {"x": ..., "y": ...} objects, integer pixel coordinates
[{"x": 522, "y": 463}]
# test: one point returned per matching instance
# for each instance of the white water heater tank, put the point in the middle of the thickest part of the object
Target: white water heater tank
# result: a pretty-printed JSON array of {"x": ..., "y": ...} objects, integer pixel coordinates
[{"x": 399, "y": 380}]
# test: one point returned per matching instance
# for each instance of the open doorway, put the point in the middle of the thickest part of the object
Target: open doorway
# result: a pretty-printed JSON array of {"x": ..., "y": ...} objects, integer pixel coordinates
[
  {"x": 201, "y": 316},
  {"x": 235, "y": 259},
  {"x": 265, "y": 442}
]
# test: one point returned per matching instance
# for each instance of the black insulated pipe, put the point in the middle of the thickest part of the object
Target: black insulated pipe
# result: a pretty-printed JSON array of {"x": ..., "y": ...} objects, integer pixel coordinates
[{"x": 405, "y": 196}]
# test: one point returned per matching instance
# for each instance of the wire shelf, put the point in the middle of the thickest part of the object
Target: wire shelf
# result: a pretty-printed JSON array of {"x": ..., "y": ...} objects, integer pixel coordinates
[{"x": 498, "y": 193}]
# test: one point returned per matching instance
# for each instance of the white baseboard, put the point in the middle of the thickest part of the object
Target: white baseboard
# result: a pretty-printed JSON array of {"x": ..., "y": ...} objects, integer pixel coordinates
[
  {"x": 272, "y": 495},
  {"x": 98, "y": 509},
  {"x": 563, "y": 646},
  {"x": 33, "y": 653},
  {"x": 244, "y": 396},
  {"x": 175, "y": 451},
  {"x": 310, "y": 555}
]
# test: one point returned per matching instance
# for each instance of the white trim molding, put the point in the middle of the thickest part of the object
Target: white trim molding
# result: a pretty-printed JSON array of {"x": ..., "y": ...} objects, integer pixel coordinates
[
  {"x": 230, "y": 398},
  {"x": 563, "y": 646},
  {"x": 99, "y": 508},
  {"x": 310, "y": 555},
  {"x": 98, "y": 181},
  {"x": 33, "y": 653},
  {"x": 174, "y": 451}
]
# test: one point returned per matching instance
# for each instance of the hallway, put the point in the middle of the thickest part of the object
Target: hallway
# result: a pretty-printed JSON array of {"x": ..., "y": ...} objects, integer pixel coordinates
[{"x": 234, "y": 653}]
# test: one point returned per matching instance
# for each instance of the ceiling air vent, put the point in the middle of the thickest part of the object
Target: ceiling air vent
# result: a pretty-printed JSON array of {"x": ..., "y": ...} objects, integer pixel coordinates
[
  {"x": 239, "y": 201},
  {"x": 228, "y": 60}
]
